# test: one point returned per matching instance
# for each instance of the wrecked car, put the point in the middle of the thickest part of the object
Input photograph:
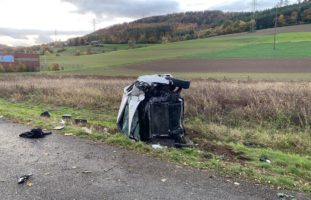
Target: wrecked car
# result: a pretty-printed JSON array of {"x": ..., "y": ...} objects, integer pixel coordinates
[{"x": 153, "y": 107}]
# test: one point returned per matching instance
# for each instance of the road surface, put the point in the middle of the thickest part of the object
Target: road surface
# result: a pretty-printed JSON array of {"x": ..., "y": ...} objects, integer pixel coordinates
[{"x": 69, "y": 168}]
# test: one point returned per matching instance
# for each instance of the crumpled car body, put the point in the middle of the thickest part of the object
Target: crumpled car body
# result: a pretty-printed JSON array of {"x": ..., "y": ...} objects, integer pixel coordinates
[{"x": 153, "y": 107}]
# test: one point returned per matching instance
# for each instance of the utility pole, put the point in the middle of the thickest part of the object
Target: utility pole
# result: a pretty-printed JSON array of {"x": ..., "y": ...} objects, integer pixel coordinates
[
  {"x": 94, "y": 24},
  {"x": 55, "y": 35},
  {"x": 55, "y": 38},
  {"x": 275, "y": 25},
  {"x": 253, "y": 21},
  {"x": 94, "y": 29}
]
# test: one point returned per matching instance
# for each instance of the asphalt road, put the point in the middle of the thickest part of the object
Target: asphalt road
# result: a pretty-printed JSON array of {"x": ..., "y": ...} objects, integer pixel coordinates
[{"x": 69, "y": 168}]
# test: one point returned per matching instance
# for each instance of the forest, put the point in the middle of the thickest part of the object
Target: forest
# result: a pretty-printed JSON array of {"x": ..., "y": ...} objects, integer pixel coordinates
[{"x": 193, "y": 25}]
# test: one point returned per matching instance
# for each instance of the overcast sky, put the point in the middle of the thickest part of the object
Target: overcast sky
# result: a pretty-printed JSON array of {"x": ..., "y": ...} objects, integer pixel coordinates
[{"x": 29, "y": 22}]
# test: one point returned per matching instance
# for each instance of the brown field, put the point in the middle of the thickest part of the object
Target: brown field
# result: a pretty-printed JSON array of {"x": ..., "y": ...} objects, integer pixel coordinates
[
  {"x": 218, "y": 101},
  {"x": 299, "y": 65}
]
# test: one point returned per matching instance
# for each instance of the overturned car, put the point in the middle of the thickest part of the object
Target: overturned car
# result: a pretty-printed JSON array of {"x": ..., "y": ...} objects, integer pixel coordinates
[{"x": 152, "y": 107}]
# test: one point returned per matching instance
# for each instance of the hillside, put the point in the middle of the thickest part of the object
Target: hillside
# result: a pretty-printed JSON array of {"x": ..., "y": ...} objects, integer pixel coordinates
[
  {"x": 193, "y": 25},
  {"x": 195, "y": 58}
]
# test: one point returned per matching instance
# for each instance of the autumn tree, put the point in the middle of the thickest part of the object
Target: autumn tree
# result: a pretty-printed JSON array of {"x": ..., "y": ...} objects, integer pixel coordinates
[
  {"x": 294, "y": 17},
  {"x": 191, "y": 25},
  {"x": 281, "y": 20},
  {"x": 307, "y": 15},
  {"x": 2, "y": 68}
]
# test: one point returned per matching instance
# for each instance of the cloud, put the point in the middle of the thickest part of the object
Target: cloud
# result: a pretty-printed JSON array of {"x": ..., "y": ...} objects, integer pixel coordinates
[
  {"x": 79, "y": 14},
  {"x": 125, "y": 8},
  {"x": 27, "y": 37},
  {"x": 245, "y": 5}
]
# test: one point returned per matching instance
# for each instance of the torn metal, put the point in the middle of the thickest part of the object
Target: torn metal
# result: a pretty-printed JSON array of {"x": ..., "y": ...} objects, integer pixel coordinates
[
  {"x": 24, "y": 178},
  {"x": 45, "y": 114},
  {"x": 153, "y": 107}
]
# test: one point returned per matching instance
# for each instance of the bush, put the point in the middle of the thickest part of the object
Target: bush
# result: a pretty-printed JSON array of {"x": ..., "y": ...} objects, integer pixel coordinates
[
  {"x": 131, "y": 44},
  {"x": 78, "y": 53},
  {"x": 10, "y": 68},
  {"x": 55, "y": 67},
  {"x": 21, "y": 67},
  {"x": 61, "y": 50},
  {"x": 2, "y": 68},
  {"x": 89, "y": 51}
]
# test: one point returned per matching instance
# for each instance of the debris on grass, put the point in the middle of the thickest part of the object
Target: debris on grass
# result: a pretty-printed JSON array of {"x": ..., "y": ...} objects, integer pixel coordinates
[
  {"x": 87, "y": 130},
  {"x": 68, "y": 134},
  {"x": 45, "y": 114},
  {"x": 62, "y": 122},
  {"x": 34, "y": 134},
  {"x": 66, "y": 117},
  {"x": 24, "y": 178},
  {"x": 80, "y": 121},
  {"x": 264, "y": 159},
  {"x": 157, "y": 146},
  {"x": 251, "y": 144},
  {"x": 181, "y": 145},
  {"x": 166, "y": 142},
  {"x": 58, "y": 128}
]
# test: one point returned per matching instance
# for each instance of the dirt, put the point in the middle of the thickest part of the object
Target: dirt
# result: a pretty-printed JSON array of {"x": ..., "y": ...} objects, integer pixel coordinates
[
  {"x": 297, "y": 65},
  {"x": 226, "y": 152}
]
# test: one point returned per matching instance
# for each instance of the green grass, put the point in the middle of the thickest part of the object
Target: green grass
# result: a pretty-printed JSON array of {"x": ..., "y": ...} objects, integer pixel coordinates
[
  {"x": 288, "y": 140},
  {"x": 113, "y": 63},
  {"x": 27, "y": 112},
  {"x": 71, "y": 51},
  {"x": 287, "y": 170},
  {"x": 289, "y": 45},
  {"x": 282, "y": 163},
  {"x": 108, "y": 61}
]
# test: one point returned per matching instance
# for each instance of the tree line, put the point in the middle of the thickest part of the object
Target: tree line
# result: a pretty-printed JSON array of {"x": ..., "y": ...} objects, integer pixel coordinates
[{"x": 193, "y": 25}]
